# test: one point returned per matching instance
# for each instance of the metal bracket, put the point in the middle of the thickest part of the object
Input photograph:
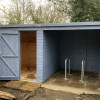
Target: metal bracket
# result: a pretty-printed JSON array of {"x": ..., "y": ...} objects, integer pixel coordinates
[
  {"x": 0, "y": 54},
  {"x": 82, "y": 70},
  {"x": 69, "y": 68},
  {"x": 66, "y": 69}
]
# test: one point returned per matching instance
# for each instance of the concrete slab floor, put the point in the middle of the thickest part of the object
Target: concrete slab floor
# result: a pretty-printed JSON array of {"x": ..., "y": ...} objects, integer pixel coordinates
[{"x": 91, "y": 84}]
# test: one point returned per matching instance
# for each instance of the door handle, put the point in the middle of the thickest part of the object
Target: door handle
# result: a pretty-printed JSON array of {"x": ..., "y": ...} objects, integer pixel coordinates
[{"x": 0, "y": 53}]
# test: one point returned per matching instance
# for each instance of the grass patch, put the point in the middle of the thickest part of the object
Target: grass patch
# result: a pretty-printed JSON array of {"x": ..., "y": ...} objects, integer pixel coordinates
[
  {"x": 79, "y": 98},
  {"x": 35, "y": 92}
]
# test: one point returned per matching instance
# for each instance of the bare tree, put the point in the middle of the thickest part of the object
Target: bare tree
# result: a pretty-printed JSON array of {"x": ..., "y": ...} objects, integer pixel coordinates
[
  {"x": 48, "y": 14},
  {"x": 25, "y": 11},
  {"x": 18, "y": 12}
]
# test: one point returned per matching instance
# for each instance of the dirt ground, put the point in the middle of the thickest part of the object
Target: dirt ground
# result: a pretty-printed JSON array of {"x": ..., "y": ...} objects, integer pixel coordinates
[{"x": 46, "y": 94}]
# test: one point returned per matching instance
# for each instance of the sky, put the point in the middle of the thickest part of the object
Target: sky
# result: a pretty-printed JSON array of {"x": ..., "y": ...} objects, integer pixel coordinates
[{"x": 7, "y": 2}]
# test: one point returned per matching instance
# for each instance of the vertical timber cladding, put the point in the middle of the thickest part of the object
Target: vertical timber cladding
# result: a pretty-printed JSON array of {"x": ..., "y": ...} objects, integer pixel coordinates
[
  {"x": 9, "y": 60},
  {"x": 93, "y": 43},
  {"x": 86, "y": 46},
  {"x": 73, "y": 47},
  {"x": 78, "y": 45},
  {"x": 79, "y": 39}
]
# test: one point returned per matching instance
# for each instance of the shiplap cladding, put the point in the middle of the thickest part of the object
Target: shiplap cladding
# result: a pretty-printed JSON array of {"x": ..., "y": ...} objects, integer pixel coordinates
[
  {"x": 40, "y": 55},
  {"x": 50, "y": 54}
]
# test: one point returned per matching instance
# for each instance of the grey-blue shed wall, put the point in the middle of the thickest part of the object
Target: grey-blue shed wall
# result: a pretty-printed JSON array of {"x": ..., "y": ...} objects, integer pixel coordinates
[
  {"x": 40, "y": 64},
  {"x": 79, "y": 45},
  {"x": 39, "y": 36},
  {"x": 51, "y": 58}
]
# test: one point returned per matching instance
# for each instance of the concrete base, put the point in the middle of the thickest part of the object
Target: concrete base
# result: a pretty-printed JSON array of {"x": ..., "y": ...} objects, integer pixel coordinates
[
  {"x": 90, "y": 85},
  {"x": 65, "y": 79}
]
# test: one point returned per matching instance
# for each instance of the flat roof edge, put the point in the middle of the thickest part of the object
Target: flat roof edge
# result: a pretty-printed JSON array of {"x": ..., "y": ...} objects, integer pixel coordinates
[{"x": 74, "y": 24}]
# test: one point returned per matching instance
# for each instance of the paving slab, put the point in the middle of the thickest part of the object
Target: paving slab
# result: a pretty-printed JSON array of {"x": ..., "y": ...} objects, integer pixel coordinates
[
  {"x": 30, "y": 86},
  {"x": 23, "y": 85},
  {"x": 6, "y": 95},
  {"x": 14, "y": 84}
]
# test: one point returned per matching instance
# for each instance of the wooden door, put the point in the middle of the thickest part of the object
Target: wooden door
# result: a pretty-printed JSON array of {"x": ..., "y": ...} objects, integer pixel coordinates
[{"x": 9, "y": 61}]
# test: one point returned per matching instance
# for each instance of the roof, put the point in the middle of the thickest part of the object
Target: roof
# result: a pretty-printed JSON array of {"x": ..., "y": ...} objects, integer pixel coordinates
[{"x": 52, "y": 25}]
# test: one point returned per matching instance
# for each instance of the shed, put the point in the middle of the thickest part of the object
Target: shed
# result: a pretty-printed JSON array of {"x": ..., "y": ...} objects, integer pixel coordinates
[{"x": 36, "y": 51}]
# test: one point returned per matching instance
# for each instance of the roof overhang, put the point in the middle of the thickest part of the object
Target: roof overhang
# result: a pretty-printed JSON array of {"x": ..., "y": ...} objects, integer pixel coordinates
[{"x": 75, "y": 24}]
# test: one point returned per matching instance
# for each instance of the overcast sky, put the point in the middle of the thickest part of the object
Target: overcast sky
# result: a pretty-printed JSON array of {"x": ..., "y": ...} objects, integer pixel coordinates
[{"x": 7, "y": 2}]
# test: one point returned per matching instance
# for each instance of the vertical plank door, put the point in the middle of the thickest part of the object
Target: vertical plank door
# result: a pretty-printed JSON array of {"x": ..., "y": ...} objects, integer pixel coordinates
[{"x": 9, "y": 61}]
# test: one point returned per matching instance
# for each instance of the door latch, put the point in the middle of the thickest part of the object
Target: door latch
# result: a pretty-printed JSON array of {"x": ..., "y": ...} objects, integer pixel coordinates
[{"x": 0, "y": 53}]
